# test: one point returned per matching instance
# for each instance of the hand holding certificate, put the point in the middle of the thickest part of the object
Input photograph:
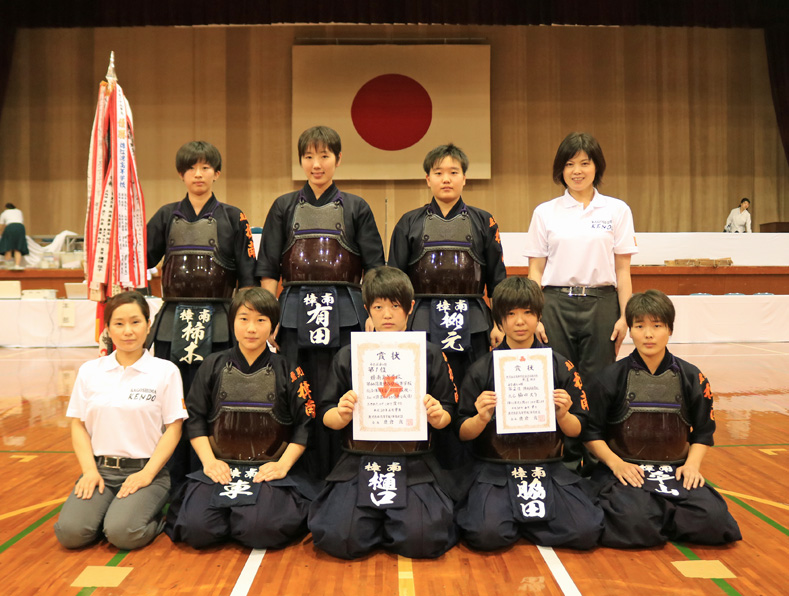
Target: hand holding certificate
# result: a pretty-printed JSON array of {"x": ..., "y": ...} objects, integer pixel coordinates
[
  {"x": 390, "y": 383},
  {"x": 523, "y": 380}
]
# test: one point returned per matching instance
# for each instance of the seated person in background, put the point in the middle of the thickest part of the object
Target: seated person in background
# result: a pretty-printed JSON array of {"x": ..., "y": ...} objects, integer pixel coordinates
[
  {"x": 651, "y": 423},
  {"x": 495, "y": 513},
  {"x": 250, "y": 417},
  {"x": 739, "y": 219},
  {"x": 126, "y": 411},
  {"x": 423, "y": 526}
]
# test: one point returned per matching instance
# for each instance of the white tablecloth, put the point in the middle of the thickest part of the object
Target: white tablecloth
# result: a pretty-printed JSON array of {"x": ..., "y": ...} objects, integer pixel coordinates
[
  {"x": 718, "y": 319},
  {"x": 36, "y": 323},
  {"x": 746, "y": 250}
]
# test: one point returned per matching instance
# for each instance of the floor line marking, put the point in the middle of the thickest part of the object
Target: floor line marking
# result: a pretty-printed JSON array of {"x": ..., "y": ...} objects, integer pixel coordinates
[
  {"x": 757, "y": 445},
  {"x": 752, "y": 498},
  {"x": 758, "y": 348},
  {"x": 40, "y": 521},
  {"x": 566, "y": 584},
  {"x": 29, "y": 451},
  {"x": 32, "y": 508},
  {"x": 248, "y": 573},
  {"x": 721, "y": 583},
  {"x": 113, "y": 562},
  {"x": 405, "y": 576}
]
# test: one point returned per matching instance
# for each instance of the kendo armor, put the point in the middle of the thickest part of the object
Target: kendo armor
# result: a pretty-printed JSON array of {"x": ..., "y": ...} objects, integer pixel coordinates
[
  {"x": 653, "y": 424},
  {"x": 193, "y": 266},
  {"x": 382, "y": 447},
  {"x": 447, "y": 264},
  {"x": 249, "y": 428},
  {"x": 518, "y": 447},
  {"x": 317, "y": 250}
]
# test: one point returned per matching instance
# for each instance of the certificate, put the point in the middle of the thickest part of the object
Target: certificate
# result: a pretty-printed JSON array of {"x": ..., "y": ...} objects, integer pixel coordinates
[
  {"x": 389, "y": 378},
  {"x": 523, "y": 380}
]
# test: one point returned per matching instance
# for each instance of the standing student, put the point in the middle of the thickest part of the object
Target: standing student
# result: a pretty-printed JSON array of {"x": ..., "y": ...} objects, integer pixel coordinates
[
  {"x": 249, "y": 421},
  {"x": 126, "y": 410},
  {"x": 520, "y": 487},
  {"x": 208, "y": 253},
  {"x": 651, "y": 424},
  {"x": 319, "y": 241},
  {"x": 343, "y": 522},
  {"x": 452, "y": 253}
]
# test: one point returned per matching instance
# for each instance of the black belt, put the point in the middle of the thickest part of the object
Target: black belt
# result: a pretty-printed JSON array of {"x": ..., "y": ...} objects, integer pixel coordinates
[
  {"x": 107, "y": 461},
  {"x": 580, "y": 291}
]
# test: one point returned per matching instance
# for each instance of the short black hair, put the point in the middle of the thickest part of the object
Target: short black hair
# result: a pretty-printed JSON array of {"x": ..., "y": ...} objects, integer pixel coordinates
[
  {"x": 317, "y": 138},
  {"x": 652, "y": 304},
  {"x": 196, "y": 151},
  {"x": 130, "y": 297},
  {"x": 516, "y": 292},
  {"x": 387, "y": 283},
  {"x": 9, "y": 206},
  {"x": 572, "y": 144},
  {"x": 745, "y": 200},
  {"x": 259, "y": 300},
  {"x": 437, "y": 155}
]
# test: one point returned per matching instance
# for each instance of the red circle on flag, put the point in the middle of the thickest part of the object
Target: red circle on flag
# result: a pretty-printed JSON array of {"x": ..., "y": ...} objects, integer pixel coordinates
[{"x": 392, "y": 112}]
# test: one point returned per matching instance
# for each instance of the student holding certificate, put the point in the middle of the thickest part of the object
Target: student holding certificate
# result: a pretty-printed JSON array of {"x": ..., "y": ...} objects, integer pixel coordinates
[
  {"x": 521, "y": 488},
  {"x": 384, "y": 493}
]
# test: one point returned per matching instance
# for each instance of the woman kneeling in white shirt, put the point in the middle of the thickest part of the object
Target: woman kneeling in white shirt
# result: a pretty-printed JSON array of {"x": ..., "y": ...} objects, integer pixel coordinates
[{"x": 127, "y": 410}]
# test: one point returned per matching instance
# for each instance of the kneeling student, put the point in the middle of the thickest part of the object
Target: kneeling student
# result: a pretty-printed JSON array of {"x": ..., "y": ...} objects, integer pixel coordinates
[
  {"x": 422, "y": 527},
  {"x": 651, "y": 423},
  {"x": 521, "y": 488},
  {"x": 250, "y": 417}
]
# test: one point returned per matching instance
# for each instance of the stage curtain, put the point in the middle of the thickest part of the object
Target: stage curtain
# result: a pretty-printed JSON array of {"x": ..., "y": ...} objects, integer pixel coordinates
[{"x": 685, "y": 117}]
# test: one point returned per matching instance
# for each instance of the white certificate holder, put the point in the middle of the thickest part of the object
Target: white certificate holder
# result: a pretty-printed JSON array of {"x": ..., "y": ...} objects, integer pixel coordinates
[
  {"x": 523, "y": 381},
  {"x": 389, "y": 376}
]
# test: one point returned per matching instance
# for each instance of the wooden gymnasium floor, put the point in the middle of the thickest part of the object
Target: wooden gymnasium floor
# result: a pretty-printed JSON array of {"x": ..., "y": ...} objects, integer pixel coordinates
[{"x": 749, "y": 464}]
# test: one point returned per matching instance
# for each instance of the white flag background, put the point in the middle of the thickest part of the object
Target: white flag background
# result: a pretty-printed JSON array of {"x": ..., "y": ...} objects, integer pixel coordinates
[{"x": 392, "y": 104}]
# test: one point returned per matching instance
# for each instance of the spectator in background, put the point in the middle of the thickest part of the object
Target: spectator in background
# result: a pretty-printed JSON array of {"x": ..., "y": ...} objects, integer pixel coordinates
[
  {"x": 13, "y": 243},
  {"x": 739, "y": 219}
]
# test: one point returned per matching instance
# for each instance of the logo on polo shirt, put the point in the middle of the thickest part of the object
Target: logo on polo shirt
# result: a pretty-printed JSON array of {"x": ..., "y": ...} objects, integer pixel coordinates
[
  {"x": 142, "y": 393},
  {"x": 602, "y": 224}
]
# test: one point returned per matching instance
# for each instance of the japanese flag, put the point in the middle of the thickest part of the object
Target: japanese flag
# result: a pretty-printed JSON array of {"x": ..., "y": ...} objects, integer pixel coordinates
[{"x": 392, "y": 104}]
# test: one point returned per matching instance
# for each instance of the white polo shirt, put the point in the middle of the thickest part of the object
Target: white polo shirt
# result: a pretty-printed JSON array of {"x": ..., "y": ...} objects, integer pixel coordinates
[
  {"x": 125, "y": 410},
  {"x": 579, "y": 243}
]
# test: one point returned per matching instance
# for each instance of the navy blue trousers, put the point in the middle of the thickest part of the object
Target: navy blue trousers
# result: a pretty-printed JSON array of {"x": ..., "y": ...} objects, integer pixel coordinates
[{"x": 424, "y": 529}]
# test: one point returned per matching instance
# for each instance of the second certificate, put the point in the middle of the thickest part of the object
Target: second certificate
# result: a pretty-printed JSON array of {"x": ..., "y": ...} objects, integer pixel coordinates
[{"x": 523, "y": 380}]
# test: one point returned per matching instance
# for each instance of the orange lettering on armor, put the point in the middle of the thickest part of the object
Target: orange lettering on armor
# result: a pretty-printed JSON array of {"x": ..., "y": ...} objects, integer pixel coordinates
[
  {"x": 292, "y": 376},
  {"x": 243, "y": 217},
  {"x": 702, "y": 378},
  {"x": 584, "y": 401},
  {"x": 304, "y": 391},
  {"x": 251, "y": 250},
  {"x": 309, "y": 408},
  {"x": 498, "y": 237},
  {"x": 577, "y": 381},
  {"x": 569, "y": 365},
  {"x": 708, "y": 391}
]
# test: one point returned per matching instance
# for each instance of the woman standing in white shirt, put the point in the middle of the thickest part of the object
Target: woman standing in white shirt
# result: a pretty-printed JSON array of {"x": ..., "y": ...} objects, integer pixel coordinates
[
  {"x": 739, "y": 219},
  {"x": 127, "y": 410},
  {"x": 579, "y": 248}
]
